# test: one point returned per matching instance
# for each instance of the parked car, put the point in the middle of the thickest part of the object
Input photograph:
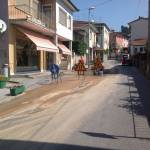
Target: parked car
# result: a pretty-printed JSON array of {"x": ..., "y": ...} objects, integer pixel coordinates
[{"x": 126, "y": 60}]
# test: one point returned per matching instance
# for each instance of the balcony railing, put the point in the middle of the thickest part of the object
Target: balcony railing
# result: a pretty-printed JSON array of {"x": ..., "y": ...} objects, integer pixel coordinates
[{"x": 26, "y": 12}]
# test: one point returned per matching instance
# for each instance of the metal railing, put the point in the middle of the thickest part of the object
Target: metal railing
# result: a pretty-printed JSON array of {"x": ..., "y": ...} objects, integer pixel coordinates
[{"x": 26, "y": 12}]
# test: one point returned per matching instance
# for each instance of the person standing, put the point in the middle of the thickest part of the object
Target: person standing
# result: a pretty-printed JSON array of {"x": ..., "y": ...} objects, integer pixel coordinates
[{"x": 54, "y": 69}]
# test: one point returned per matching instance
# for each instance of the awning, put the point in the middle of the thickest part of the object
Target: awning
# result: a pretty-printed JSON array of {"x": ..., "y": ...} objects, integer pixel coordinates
[
  {"x": 64, "y": 49},
  {"x": 42, "y": 42}
]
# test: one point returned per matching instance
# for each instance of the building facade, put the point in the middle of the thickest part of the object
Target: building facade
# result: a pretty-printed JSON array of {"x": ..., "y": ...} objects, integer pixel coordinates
[
  {"x": 40, "y": 33},
  {"x": 139, "y": 35},
  {"x": 86, "y": 32},
  {"x": 102, "y": 38},
  {"x": 118, "y": 42},
  {"x": 103, "y": 35}
]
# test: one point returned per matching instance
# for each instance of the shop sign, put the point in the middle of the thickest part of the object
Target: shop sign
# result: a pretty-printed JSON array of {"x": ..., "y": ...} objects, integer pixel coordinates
[{"x": 3, "y": 26}]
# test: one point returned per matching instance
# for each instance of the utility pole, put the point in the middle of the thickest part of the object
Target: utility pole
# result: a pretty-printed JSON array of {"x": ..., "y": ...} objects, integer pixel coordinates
[{"x": 89, "y": 14}]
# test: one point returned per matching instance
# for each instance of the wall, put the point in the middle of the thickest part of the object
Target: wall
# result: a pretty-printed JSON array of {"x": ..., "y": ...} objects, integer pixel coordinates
[
  {"x": 11, "y": 2},
  {"x": 92, "y": 37},
  {"x": 106, "y": 39},
  {"x": 139, "y": 29},
  {"x": 62, "y": 30},
  {"x": 132, "y": 51}
]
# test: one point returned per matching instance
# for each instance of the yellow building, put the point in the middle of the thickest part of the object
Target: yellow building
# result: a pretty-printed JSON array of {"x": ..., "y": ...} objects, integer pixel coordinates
[{"x": 34, "y": 40}]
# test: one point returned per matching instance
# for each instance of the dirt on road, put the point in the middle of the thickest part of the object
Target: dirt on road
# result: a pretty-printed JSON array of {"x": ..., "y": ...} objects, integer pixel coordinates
[{"x": 48, "y": 94}]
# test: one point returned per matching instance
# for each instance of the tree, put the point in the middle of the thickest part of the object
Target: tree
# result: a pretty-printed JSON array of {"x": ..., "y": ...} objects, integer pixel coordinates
[
  {"x": 125, "y": 31},
  {"x": 79, "y": 48}
]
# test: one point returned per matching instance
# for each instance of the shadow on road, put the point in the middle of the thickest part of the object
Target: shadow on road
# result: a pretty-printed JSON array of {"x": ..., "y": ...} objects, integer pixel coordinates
[
  {"x": 136, "y": 106},
  {"x": 108, "y": 136},
  {"x": 139, "y": 91},
  {"x": 28, "y": 145}
]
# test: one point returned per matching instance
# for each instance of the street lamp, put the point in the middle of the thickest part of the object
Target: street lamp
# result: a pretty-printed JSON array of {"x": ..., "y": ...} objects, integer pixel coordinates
[{"x": 89, "y": 14}]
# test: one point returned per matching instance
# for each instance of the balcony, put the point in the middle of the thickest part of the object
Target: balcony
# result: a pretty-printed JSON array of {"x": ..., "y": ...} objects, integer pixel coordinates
[{"x": 30, "y": 15}]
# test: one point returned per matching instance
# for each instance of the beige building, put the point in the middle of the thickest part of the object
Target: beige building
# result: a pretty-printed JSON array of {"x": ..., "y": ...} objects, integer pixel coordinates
[
  {"x": 139, "y": 35},
  {"x": 40, "y": 33},
  {"x": 102, "y": 38},
  {"x": 86, "y": 33}
]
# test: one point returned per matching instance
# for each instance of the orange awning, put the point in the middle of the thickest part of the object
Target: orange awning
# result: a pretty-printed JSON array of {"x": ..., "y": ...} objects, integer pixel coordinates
[
  {"x": 64, "y": 49},
  {"x": 42, "y": 42}
]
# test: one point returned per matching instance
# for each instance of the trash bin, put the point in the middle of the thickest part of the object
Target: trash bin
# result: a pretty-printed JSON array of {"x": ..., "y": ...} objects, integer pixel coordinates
[{"x": 6, "y": 70}]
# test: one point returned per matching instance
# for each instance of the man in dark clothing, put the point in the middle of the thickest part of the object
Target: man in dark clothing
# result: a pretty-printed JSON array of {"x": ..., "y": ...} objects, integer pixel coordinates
[{"x": 54, "y": 69}]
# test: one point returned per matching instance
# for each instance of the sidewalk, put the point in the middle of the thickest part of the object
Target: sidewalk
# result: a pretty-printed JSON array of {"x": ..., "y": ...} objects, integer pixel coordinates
[{"x": 31, "y": 82}]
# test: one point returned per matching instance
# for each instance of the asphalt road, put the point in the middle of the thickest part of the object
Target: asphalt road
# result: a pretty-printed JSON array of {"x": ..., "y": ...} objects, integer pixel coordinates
[{"x": 108, "y": 116}]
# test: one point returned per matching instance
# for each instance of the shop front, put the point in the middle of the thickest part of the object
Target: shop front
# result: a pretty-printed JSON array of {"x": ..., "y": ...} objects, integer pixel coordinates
[
  {"x": 33, "y": 51},
  {"x": 27, "y": 56},
  {"x": 65, "y": 54}
]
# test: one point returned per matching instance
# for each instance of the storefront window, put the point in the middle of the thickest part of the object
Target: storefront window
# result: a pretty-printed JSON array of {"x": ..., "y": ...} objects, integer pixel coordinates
[{"x": 27, "y": 55}]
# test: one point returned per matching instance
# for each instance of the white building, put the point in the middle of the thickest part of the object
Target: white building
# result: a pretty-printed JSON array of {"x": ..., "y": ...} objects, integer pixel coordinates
[
  {"x": 103, "y": 37},
  {"x": 64, "y": 31},
  {"x": 139, "y": 35}
]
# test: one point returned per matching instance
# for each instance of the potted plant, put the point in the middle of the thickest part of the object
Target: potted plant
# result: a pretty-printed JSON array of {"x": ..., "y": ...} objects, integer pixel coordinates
[
  {"x": 3, "y": 81},
  {"x": 18, "y": 89}
]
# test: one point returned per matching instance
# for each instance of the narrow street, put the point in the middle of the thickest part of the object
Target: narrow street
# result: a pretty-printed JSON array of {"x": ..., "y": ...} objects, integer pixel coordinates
[{"x": 106, "y": 116}]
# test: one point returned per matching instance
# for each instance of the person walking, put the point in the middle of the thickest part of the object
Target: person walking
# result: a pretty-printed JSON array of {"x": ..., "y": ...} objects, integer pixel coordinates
[{"x": 54, "y": 69}]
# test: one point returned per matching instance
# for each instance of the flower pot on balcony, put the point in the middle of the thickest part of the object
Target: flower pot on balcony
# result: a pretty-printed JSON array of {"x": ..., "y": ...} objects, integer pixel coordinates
[{"x": 17, "y": 90}]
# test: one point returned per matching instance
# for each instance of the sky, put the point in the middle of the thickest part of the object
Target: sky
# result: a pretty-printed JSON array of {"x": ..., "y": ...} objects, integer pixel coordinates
[{"x": 112, "y": 12}]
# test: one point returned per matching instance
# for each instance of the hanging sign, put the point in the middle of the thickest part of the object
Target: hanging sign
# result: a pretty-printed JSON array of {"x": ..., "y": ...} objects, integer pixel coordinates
[{"x": 3, "y": 26}]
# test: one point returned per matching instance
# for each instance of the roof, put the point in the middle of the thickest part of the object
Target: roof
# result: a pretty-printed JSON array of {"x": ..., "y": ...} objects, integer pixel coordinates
[
  {"x": 69, "y": 2},
  {"x": 80, "y": 25},
  {"x": 102, "y": 24},
  {"x": 117, "y": 34},
  {"x": 140, "y": 18},
  {"x": 139, "y": 42}
]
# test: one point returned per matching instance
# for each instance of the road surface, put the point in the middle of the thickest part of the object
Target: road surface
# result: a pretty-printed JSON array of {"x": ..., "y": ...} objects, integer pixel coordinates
[{"x": 106, "y": 116}]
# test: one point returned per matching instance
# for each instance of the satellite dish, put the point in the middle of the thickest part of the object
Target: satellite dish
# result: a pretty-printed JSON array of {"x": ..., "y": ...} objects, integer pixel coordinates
[{"x": 3, "y": 26}]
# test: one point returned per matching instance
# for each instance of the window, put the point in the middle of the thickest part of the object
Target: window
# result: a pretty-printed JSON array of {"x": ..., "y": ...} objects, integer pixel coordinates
[
  {"x": 46, "y": 18},
  {"x": 90, "y": 34},
  {"x": 62, "y": 17},
  {"x": 135, "y": 50},
  {"x": 141, "y": 49},
  {"x": 69, "y": 22},
  {"x": 35, "y": 8},
  {"x": 101, "y": 30}
]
